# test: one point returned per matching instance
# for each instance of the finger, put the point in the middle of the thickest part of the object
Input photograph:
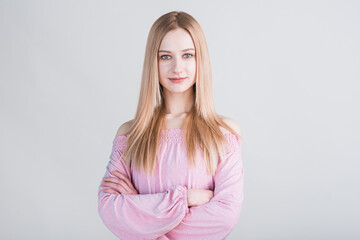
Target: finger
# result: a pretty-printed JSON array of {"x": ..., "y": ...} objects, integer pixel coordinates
[
  {"x": 123, "y": 177},
  {"x": 112, "y": 179},
  {"x": 117, "y": 181},
  {"x": 129, "y": 186},
  {"x": 108, "y": 190},
  {"x": 115, "y": 186},
  {"x": 111, "y": 185},
  {"x": 120, "y": 190}
]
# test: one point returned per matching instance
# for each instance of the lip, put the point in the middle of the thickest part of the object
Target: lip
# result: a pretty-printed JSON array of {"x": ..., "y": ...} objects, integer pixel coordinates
[{"x": 177, "y": 79}]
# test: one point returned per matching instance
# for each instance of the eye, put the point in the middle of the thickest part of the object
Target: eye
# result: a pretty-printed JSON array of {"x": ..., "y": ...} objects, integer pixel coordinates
[
  {"x": 165, "y": 57},
  {"x": 188, "y": 55}
]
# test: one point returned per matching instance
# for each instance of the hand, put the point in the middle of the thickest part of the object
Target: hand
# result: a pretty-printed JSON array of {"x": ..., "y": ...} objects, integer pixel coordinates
[
  {"x": 119, "y": 185},
  {"x": 198, "y": 197}
]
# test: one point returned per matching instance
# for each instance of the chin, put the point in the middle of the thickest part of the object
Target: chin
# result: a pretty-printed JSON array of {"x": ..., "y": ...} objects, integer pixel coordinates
[{"x": 178, "y": 89}]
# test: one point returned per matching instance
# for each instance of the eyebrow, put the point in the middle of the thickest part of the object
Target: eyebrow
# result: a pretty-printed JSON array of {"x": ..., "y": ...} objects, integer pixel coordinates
[{"x": 184, "y": 50}]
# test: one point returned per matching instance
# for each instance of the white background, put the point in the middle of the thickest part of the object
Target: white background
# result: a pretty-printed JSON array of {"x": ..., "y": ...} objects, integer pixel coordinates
[{"x": 286, "y": 71}]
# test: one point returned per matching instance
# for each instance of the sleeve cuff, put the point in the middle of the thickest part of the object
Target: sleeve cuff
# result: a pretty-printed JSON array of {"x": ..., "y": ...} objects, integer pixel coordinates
[{"x": 183, "y": 197}]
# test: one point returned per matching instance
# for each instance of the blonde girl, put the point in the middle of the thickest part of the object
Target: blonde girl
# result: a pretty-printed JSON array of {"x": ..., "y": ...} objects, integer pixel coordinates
[{"x": 175, "y": 170}]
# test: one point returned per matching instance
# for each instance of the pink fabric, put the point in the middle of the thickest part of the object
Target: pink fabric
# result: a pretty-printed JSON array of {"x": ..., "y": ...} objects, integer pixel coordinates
[{"x": 160, "y": 210}]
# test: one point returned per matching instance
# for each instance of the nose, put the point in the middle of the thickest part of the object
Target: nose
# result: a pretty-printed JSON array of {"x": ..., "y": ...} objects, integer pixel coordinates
[{"x": 178, "y": 66}]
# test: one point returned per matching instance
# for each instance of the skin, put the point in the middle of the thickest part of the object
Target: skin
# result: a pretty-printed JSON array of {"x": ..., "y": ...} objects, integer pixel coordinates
[{"x": 176, "y": 60}]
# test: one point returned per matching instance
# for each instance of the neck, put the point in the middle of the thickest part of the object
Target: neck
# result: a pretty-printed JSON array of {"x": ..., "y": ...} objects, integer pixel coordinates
[{"x": 178, "y": 103}]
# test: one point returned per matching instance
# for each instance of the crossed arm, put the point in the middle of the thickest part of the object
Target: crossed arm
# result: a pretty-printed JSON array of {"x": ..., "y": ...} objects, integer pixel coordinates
[{"x": 167, "y": 215}]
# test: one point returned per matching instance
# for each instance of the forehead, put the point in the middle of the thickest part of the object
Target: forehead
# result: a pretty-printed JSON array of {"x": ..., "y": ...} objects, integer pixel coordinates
[{"x": 176, "y": 40}]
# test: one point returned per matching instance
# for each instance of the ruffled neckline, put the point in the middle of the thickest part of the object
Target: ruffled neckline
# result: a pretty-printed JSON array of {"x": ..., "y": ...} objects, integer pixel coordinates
[{"x": 176, "y": 135}]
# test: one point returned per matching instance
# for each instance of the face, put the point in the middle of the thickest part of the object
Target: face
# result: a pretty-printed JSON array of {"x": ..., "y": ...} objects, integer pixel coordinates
[{"x": 177, "y": 65}]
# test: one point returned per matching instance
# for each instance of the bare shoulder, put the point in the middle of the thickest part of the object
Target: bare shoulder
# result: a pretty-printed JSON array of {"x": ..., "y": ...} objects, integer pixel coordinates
[
  {"x": 231, "y": 122},
  {"x": 123, "y": 129}
]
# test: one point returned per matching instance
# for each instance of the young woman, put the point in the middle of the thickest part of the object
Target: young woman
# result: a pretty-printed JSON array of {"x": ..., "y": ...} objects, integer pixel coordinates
[{"x": 175, "y": 170}]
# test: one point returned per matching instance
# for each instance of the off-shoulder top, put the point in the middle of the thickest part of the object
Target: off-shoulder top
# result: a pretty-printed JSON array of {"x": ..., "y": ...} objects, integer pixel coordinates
[{"x": 160, "y": 210}]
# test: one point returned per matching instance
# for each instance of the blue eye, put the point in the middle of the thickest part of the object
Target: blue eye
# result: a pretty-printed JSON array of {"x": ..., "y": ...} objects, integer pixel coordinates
[
  {"x": 188, "y": 55},
  {"x": 165, "y": 57}
]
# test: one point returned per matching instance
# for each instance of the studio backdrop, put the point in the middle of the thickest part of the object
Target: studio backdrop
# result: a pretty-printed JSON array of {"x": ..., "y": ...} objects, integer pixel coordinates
[{"x": 286, "y": 71}]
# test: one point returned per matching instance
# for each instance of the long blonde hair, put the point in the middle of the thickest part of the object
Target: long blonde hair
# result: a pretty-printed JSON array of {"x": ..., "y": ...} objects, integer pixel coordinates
[{"x": 202, "y": 124}]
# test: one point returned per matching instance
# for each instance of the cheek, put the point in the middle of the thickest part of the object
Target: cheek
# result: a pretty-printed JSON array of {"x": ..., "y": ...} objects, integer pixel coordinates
[
  {"x": 162, "y": 70},
  {"x": 192, "y": 68},
  {"x": 164, "y": 67}
]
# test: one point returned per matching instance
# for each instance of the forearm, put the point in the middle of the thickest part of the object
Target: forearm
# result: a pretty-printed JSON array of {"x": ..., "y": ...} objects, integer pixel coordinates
[{"x": 143, "y": 216}]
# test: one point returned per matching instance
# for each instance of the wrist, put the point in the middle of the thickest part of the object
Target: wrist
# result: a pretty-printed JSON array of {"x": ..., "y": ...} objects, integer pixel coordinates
[{"x": 189, "y": 197}]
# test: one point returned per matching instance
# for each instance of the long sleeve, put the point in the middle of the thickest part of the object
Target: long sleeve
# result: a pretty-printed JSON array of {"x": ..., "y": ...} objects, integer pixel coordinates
[
  {"x": 216, "y": 219},
  {"x": 141, "y": 216}
]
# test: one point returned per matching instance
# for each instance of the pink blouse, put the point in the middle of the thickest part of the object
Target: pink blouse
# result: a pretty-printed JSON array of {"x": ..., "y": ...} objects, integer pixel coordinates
[{"x": 160, "y": 210}]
